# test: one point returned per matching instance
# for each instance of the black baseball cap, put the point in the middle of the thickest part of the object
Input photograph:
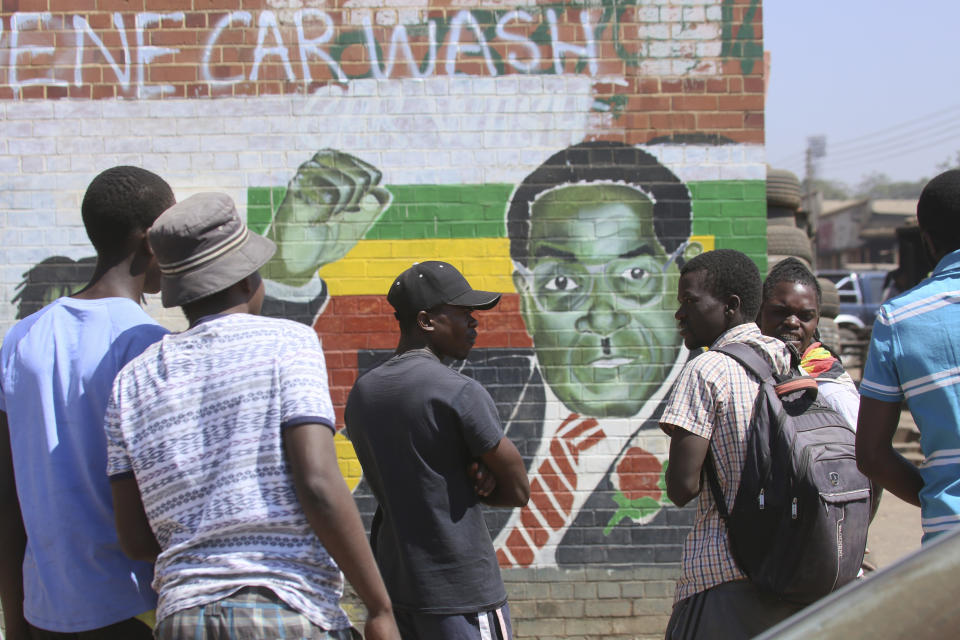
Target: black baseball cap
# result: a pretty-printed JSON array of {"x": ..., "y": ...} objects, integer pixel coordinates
[{"x": 428, "y": 284}]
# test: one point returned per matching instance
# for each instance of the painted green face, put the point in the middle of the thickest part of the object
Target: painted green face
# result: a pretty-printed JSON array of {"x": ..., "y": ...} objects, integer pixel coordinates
[{"x": 597, "y": 297}]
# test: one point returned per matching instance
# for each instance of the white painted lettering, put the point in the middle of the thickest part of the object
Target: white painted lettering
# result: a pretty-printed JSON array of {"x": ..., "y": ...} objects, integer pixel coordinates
[
  {"x": 268, "y": 22},
  {"x": 17, "y": 22},
  {"x": 308, "y": 46},
  {"x": 244, "y": 18},
  {"x": 588, "y": 51},
  {"x": 454, "y": 47},
  {"x": 399, "y": 40},
  {"x": 82, "y": 27},
  {"x": 148, "y": 53},
  {"x": 512, "y": 58}
]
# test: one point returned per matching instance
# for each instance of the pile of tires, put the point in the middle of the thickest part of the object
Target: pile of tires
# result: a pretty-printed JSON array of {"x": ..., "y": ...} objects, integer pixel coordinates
[{"x": 785, "y": 239}]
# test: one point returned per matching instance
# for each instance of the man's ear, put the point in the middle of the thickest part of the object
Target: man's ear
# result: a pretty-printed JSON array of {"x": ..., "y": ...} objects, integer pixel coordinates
[
  {"x": 142, "y": 252},
  {"x": 733, "y": 305},
  {"x": 424, "y": 321},
  {"x": 250, "y": 284}
]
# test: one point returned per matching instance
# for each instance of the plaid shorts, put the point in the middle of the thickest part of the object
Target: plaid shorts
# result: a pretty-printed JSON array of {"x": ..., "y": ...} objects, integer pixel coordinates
[{"x": 249, "y": 614}]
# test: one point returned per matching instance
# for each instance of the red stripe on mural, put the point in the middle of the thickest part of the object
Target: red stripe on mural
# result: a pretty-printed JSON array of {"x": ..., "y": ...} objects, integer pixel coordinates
[{"x": 350, "y": 324}]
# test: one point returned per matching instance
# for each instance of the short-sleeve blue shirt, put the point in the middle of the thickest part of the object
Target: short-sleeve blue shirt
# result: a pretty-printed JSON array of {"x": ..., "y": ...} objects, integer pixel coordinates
[
  {"x": 915, "y": 355},
  {"x": 56, "y": 370}
]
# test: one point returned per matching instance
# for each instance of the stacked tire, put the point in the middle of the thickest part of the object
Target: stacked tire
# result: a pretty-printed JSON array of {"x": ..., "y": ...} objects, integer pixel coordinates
[{"x": 785, "y": 239}]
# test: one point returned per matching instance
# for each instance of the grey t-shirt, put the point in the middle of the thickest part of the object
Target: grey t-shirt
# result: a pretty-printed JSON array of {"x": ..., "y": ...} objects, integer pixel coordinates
[{"x": 416, "y": 425}]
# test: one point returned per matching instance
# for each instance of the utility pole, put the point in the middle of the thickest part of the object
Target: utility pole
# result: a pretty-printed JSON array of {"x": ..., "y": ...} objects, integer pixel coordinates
[{"x": 816, "y": 149}]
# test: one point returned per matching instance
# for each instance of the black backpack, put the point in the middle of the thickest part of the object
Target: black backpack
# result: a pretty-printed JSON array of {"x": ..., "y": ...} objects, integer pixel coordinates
[{"x": 798, "y": 528}]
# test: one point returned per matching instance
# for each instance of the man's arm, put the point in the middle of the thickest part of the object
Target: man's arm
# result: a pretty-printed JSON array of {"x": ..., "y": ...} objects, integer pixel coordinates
[
  {"x": 876, "y": 457},
  {"x": 130, "y": 518},
  {"x": 511, "y": 488},
  {"x": 333, "y": 515},
  {"x": 687, "y": 454},
  {"x": 13, "y": 542}
]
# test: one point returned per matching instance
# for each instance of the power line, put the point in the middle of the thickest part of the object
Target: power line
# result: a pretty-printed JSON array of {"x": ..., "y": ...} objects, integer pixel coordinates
[
  {"x": 881, "y": 137},
  {"x": 931, "y": 136},
  {"x": 898, "y": 152}
]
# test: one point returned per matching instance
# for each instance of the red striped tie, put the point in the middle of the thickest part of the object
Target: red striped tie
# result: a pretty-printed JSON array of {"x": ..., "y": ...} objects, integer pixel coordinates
[{"x": 552, "y": 488}]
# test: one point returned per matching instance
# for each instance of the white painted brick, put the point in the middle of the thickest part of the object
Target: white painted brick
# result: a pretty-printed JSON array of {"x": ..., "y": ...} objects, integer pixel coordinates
[
  {"x": 743, "y": 172},
  {"x": 714, "y": 13},
  {"x": 77, "y": 109},
  {"x": 172, "y": 144},
  {"x": 653, "y": 31},
  {"x": 225, "y": 161},
  {"x": 11, "y": 164},
  {"x": 696, "y": 32},
  {"x": 530, "y": 84},
  {"x": 10, "y": 237},
  {"x": 33, "y": 238},
  {"x": 648, "y": 14},
  {"x": 386, "y": 17},
  {"x": 365, "y": 87},
  {"x": 484, "y": 86},
  {"x": 700, "y": 172},
  {"x": 553, "y": 85},
  {"x": 437, "y": 85},
  {"x": 461, "y": 86},
  {"x": 29, "y": 110},
  {"x": 68, "y": 145},
  {"x": 204, "y": 125},
  {"x": 695, "y": 154},
  {"x": 385, "y": 89},
  {"x": 671, "y": 14},
  {"x": 709, "y": 49},
  {"x": 754, "y": 154},
  {"x": 31, "y": 146},
  {"x": 113, "y": 109},
  {"x": 172, "y": 108},
  {"x": 23, "y": 128},
  {"x": 123, "y": 145},
  {"x": 694, "y": 14},
  {"x": 719, "y": 155}
]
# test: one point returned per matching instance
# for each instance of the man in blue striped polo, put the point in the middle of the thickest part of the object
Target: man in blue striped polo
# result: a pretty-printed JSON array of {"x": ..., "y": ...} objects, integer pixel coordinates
[{"x": 915, "y": 356}]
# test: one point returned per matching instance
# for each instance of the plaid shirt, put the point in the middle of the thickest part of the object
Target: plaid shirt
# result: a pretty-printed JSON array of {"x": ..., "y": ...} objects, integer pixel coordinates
[{"x": 714, "y": 398}]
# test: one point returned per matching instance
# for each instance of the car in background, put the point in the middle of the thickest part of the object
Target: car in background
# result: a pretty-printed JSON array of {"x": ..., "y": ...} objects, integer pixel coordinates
[{"x": 860, "y": 292}]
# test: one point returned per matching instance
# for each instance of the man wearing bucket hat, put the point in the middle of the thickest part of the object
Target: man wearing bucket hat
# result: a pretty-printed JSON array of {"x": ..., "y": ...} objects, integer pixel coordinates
[
  {"x": 221, "y": 452},
  {"x": 432, "y": 448}
]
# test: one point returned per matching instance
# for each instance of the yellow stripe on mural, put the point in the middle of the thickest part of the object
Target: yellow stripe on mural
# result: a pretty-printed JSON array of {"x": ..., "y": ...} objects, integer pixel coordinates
[
  {"x": 707, "y": 242},
  {"x": 371, "y": 265}
]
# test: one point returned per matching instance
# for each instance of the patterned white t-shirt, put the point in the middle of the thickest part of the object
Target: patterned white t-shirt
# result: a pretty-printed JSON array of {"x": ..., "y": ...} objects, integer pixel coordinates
[{"x": 197, "y": 418}]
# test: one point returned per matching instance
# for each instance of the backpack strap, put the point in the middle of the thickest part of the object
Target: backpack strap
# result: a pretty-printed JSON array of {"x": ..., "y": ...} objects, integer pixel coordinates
[
  {"x": 749, "y": 359},
  {"x": 714, "y": 481}
]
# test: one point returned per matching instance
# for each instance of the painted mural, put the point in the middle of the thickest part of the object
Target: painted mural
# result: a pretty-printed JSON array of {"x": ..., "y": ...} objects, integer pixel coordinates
[{"x": 571, "y": 155}]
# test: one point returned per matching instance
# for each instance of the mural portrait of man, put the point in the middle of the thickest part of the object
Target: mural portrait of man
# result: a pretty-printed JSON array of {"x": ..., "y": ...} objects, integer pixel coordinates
[{"x": 597, "y": 236}]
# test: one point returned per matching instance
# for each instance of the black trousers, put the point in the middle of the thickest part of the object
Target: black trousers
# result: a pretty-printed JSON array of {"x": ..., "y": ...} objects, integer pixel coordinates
[
  {"x": 129, "y": 629},
  {"x": 729, "y": 611}
]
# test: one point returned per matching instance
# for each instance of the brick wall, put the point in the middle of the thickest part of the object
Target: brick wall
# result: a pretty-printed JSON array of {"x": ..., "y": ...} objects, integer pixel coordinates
[{"x": 441, "y": 112}]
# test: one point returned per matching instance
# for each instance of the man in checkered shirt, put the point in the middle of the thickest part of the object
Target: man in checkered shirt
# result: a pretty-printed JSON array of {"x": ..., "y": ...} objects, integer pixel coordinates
[{"x": 709, "y": 409}]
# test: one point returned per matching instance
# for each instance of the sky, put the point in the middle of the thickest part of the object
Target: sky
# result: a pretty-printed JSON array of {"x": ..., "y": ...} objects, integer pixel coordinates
[{"x": 878, "y": 78}]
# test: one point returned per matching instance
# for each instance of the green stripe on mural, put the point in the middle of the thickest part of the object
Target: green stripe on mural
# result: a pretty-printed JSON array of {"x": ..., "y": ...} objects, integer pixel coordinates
[
  {"x": 443, "y": 211},
  {"x": 734, "y": 211},
  {"x": 417, "y": 211}
]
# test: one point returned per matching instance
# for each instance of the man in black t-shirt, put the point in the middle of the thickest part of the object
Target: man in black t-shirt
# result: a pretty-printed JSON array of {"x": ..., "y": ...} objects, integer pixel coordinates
[{"x": 432, "y": 449}]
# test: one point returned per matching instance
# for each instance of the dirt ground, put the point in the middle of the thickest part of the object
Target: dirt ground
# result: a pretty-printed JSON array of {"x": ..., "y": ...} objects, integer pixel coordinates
[{"x": 895, "y": 531}]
